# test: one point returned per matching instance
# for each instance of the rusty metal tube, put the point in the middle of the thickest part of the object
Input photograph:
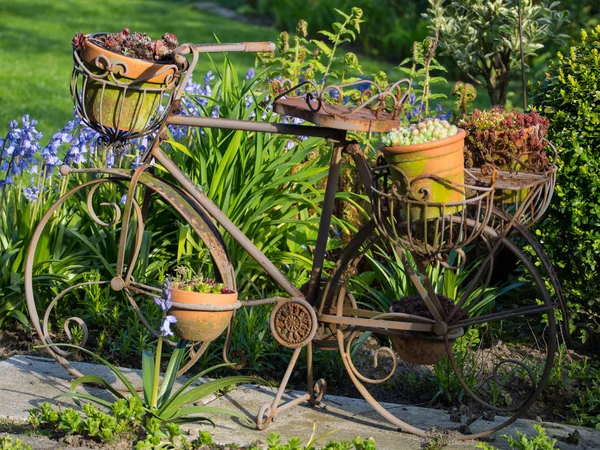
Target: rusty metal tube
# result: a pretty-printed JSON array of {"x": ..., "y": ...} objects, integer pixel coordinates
[
  {"x": 248, "y": 47},
  {"x": 226, "y": 223},
  {"x": 249, "y": 125}
]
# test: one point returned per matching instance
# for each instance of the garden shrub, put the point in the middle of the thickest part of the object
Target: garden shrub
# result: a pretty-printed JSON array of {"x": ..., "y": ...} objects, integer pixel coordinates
[{"x": 569, "y": 97}]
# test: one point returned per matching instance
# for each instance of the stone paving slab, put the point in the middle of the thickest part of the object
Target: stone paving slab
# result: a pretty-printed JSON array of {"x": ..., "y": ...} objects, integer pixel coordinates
[{"x": 27, "y": 381}]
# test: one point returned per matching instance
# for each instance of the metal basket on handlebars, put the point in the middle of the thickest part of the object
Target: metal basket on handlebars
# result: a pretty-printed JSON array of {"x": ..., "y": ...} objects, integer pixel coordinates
[
  {"x": 118, "y": 96},
  {"x": 404, "y": 214}
]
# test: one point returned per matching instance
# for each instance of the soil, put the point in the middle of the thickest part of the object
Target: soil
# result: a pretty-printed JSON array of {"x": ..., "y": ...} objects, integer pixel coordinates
[
  {"x": 415, "y": 306},
  {"x": 17, "y": 343}
]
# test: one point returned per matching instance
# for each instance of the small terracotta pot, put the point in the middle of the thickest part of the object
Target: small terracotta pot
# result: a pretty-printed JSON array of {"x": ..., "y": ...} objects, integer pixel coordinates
[
  {"x": 419, "y": 348},
  {"x": 124, "y": 108},
  {"x": 203, "y": 326},
  {"x": 443, "y": 158}
]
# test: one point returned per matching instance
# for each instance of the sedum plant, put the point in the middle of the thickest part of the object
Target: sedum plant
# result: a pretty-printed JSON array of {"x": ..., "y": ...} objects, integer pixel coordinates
[
  {"x": 425, "y": 131},
  {"x": 186, "y": 280},
  {"x": 506, "y": 139},
  {"x": 481, "y": 36}
]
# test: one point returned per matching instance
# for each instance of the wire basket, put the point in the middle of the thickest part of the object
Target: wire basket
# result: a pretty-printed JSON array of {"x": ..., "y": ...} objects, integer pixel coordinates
[
  {"x": 112, "y": 100},
  {"x": 404, "y": 215},
  {"x": 520, "y": 195}
]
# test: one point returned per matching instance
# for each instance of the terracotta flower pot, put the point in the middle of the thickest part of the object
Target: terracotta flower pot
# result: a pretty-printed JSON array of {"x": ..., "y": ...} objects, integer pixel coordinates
[
  {"x": 201, "y": 326},
  {"x": 128, "y": 108},
  {"x": 443, "y": 158},
  {"x": 423, "y": 349}
]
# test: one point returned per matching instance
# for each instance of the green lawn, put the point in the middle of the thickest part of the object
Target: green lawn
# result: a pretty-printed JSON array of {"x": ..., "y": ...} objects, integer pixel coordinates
[{"x": 35, "y": 47}]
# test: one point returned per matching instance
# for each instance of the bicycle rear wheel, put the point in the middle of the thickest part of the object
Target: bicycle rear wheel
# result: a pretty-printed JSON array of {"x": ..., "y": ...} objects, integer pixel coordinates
[{"x": 482, "y": 365}]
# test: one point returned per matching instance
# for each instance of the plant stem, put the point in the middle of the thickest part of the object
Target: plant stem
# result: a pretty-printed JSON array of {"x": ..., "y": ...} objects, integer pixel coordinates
[{"x": 154, "y": 398}]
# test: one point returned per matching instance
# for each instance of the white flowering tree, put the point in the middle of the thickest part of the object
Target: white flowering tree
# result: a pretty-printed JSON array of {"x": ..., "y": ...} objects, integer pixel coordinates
[{"x": 482, "y": 36}]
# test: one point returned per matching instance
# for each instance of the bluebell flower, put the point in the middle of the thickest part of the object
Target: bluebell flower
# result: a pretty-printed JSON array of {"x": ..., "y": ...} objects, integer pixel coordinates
[
  {"x": 215, "y": 112},
  {"x": 110, "y": 160},
  {"x": 250, "y": 73},
  {"x": 165, "y": 305},
  {"x": 166, "y": 325},
  {"x": 31, "y": 193},
  {"x": 123, "y": 201},
  {"x": 19, "y": 148},
  {"x": 137, "y": 162},
  {"x": 208, "y": 77}
]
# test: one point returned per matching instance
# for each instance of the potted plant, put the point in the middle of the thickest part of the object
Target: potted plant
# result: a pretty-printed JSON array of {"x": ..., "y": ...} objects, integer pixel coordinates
[
  {"x": 192, "y": 289},
  {"x": 508, "y": 140},
  {"x": 129, "y": 75},
  {"x": 431, "y": 147},
  {"x": 418, "y": 347}
]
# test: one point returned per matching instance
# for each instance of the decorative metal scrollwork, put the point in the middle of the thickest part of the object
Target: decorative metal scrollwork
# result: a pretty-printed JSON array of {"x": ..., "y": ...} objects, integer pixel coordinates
[{"x": 293, "y": 323}]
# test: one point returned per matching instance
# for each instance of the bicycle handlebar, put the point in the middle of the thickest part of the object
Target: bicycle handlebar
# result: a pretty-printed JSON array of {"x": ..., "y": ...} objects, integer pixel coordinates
[{"x": 248, "y": 47}]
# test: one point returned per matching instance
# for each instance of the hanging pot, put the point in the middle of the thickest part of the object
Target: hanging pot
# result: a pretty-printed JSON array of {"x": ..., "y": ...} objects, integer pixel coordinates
[
  {"x": 423, "y": 348},
  {"x": 203, "y": 326},
  {"x": 123, "y": 93}
]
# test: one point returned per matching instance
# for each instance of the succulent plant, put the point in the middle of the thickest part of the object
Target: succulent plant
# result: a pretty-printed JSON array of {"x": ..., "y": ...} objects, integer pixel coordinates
[
  {"x": 135, "y": 45},
  {"x": 425, "y": 131},
  {"x": 186, "y": 280},
  {"x": 510, "y": 140}
]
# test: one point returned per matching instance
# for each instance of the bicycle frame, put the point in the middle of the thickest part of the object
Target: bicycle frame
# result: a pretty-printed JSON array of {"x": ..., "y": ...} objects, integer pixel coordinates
[{"x": 338, "y": 137}]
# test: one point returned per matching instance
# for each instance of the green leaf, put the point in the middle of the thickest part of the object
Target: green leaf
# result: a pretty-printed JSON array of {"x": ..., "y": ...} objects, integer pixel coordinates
[
  {"x": 202, "y": 391},
  {"x": 77, "y": 395},
  {"x": 113, "y": 369},
  {"x": 323, "y": 47},
  {"x": 171, "y": 372},
  {"x": 93, "y": 379},
  {"x": 147, "y": 375}
]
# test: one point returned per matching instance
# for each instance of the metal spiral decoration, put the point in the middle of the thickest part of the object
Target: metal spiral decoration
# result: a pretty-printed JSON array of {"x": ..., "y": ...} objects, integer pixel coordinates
[{"x": 389, "y": 100}]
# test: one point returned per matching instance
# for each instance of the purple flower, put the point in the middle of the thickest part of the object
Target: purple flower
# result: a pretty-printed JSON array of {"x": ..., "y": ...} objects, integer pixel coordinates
[
  {"x": 166, "y": 325},
  {"x": 110, "y": 160},
  {"x": 208, "y": 77},
  {"x": 215, "y": 112},
  {"x": 31, "y": 193},
  {"x": 250, "y": 73},
  {"x": 165, "y": 305}
]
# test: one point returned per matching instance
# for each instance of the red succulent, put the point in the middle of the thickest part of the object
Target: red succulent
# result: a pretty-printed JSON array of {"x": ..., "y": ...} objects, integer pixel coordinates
[{"x": 79, "y": 40}]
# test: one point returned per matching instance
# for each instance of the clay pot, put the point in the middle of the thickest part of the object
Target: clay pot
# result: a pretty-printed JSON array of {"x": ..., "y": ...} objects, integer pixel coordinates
[
  {"x": 128, "y": 108},
  {"x": 443, "y": 158},
  {"x": 203, "y": 326},
  {"x": 421, "y": 348}
]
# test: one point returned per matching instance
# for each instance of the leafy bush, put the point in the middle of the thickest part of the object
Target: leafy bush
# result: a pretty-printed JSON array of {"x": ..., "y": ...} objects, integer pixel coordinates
[
  {"x": 487, "y": 49},
  {"x": 569, "y": 98}
]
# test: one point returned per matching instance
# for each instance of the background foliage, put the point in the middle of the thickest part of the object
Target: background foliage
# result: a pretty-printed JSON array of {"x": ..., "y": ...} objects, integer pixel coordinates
[{"x": 570, "y": 99}]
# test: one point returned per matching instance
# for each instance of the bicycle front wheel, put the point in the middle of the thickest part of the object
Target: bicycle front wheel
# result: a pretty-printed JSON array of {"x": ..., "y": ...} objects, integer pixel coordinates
[{"x": 100, "y": 254}]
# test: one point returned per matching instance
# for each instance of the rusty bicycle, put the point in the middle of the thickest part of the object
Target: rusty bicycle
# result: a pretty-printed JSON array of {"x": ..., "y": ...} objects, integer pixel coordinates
[{"x": 460, "y": 337}]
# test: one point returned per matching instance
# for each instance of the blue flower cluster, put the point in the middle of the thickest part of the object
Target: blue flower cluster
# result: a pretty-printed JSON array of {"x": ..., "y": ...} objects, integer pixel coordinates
[
  {"x": 76, "y": 143},
  {"x": 18, "y": 149}
]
